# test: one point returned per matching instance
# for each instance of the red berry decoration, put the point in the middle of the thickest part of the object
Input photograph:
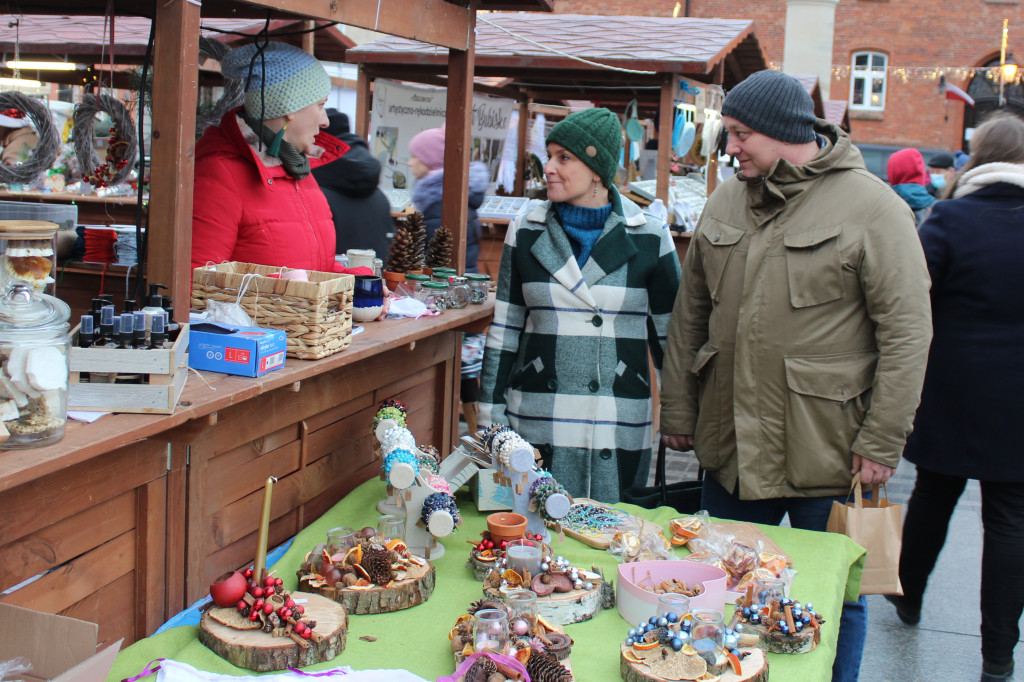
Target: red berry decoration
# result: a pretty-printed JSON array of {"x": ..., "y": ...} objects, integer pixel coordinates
[
  {"x": 267, "y": 591},
  {"x": 298, "y": 610},
  {"x": 268, "y": 608},
  {"x": 254, "y": 615},
  {"x": 252, "y": 586},
  {"x": 248, "y": 573},
  {"x": 299, "y": 628},
  {"x": 278, "y": 582},
  {"x": 289, "y": 602},
  {"x": 258, "y": 604},
  {"x": 257, "y": 591},
  {"x": 306, "y": 634},
  {"x": 241, "y": 604},
  {"x": 286, "y": 612},
  {"x": 269, "y": 581}
]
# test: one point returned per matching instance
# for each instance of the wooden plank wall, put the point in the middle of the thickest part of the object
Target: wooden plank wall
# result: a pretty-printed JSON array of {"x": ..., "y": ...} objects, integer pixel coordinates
[
  {"x": 96, "y": 542},
  {"x": 316, "y": 441}
]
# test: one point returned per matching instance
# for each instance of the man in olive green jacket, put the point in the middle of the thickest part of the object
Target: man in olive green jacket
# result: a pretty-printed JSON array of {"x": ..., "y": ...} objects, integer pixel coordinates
[{"x": 799, "y": 338}]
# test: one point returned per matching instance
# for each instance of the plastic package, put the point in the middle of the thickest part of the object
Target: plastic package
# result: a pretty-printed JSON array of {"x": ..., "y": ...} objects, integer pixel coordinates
[
  {"x": 636, "y": 543},
  {"x": 19, "y": 665},
  {"x": 230, "y": 314}
]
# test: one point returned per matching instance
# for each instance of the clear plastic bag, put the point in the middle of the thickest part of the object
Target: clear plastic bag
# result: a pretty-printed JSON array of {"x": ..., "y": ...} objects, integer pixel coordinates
[
  {"x": 230, "y": 314},
  {"x": 19, "y": 665},
  {"x": 635, "y": 542}
]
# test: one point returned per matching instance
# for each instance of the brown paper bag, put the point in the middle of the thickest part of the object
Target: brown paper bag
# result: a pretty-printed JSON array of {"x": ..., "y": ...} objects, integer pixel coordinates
[{"x": 876, "y": 525}]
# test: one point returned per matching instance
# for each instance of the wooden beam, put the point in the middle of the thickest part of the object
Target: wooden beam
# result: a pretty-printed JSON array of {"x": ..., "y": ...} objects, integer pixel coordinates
[
  {"x": 309, "y": 39},
  {"x": 666, "y": 121},
  {"x": 364, "y": 98},
  {"x": 433, "y": 21},
  {"x": 518, "y": 187},
  {"x": 175, "y": 73},
  {"x": 458, "y": 131}
]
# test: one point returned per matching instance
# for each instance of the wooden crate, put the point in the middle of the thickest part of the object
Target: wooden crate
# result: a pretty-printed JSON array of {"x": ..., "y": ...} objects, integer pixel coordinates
[
  {"x": 316, "y": 315},
  {"x": 164, "y": 371}
]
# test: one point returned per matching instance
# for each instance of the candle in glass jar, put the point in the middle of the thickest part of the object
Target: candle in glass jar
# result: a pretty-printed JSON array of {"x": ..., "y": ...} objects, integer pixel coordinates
[{"x": 523, "y": 555}]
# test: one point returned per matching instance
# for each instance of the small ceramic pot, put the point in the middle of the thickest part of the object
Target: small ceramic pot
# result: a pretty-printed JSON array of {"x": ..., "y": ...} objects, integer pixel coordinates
[
  {"x": 228, "y": 589},
  {"x": 506, "y": 526},
  {"x": 367, "y": 298}
]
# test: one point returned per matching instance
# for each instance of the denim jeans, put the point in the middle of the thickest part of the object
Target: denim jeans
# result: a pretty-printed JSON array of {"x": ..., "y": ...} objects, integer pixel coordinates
[{"x": 807, "y": 513}]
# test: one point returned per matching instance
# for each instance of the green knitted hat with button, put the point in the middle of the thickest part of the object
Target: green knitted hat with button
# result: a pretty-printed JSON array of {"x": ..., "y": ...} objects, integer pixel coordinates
[
  {"x": 595, "y": 136},
  {"x": 292, "y": 79}
]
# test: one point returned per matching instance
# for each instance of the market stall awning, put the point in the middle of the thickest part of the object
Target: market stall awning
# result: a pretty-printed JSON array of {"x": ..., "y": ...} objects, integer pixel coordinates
[{"x": 598, "y": 58}]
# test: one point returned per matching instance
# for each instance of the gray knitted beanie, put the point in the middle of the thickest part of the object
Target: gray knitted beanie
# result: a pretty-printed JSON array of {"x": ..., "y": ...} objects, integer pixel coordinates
[
  {"x": 773, "y": 104},
  {"x": 294, "y": 79}
]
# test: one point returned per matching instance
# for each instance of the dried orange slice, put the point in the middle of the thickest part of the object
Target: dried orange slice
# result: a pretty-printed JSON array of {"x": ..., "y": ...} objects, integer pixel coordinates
[
  {"x": 541, "y": 620},
  {"x": 362, "y": 571},
  {"x": 679, "y": 541},
  {"x": 398, "y": 545},
  {"x": 512, "y": 577},
  {"x": 523, "y": 655},
  {"x": 643, "y": 646},
  {"x": 354, "y": 555},
  {"x": 734, "y": 661}
]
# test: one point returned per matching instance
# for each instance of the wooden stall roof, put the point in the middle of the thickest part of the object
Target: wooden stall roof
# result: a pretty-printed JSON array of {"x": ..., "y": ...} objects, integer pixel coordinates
[
  {"x": 81, "y": 39},
  {"x": 832, "y": 110},
  {"x": 522, "y": 48}
]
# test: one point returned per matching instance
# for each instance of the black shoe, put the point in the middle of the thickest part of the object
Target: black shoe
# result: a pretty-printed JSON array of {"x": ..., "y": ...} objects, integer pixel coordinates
[
  {"x": 990, "y": 672},
  {"x": 908, "y": 615}
]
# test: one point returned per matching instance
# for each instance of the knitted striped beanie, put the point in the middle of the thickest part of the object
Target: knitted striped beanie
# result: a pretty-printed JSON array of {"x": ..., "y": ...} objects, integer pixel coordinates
[
  {"x": 773, "y": 104},
  {"x": 294, "y": 79}
]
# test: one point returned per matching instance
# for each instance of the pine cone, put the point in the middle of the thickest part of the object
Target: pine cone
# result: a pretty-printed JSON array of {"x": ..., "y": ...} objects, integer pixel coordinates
[
  {"x": 419, "y": 241},
  {"x": 377, "y": 562},
  {"x": 399, "y": 254},
  {"x": 439, "y": 253},
  {"x": 542, "y": 667},
  {"x": 481, "y": 670}
]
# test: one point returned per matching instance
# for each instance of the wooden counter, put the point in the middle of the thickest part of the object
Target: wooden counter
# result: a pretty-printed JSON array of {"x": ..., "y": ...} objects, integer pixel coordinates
[
  {"x": 92, "y": 210},
  {"x": 127, "y": 520}
]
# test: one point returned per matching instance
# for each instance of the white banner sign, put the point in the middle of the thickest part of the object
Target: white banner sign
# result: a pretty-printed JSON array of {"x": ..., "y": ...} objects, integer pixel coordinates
[{"x": 401, "y": 111}]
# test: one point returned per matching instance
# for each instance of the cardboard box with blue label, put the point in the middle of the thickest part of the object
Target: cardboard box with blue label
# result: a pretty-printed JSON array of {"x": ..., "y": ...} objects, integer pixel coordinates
[{"x": 247, "y": 351}]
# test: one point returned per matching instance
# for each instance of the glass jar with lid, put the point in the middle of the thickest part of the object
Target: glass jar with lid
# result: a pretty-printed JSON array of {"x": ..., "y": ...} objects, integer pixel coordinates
[
  {"x": 34, "y": 345},
  {"x": 442, "y": 274},
  {"x": 28, "y": 251},
  {"x": 414, "y": 283},
  {"x": 434, "y": 295},
  {"x": 479, "y": 286},
  {"x": 459, "y": 294}
]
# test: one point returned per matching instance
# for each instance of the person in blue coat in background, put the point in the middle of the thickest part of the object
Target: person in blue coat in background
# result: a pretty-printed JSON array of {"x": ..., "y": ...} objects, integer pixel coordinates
[{"x": 969, "y": 423}]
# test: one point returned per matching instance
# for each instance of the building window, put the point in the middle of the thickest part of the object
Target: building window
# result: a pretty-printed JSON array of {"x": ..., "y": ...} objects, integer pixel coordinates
[{"x": 867, "y": 81}]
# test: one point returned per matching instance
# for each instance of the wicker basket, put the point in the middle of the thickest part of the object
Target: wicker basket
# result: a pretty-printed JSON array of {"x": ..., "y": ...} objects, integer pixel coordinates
[{"x": 316, "y": 315}]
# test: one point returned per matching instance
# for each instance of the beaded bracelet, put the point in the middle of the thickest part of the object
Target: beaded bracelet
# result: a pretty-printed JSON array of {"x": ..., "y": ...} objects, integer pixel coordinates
[
  {"x": 592, "y": 520},
  {"x": 545, "y": 490},
  {"x": 397, "y": 404},
  {"x": 431, "y": 451},
  {"x": 436, "y": 502},
  {"x": 389, "y": 412},
  {"x": 439, "y": 484},
  {"x": 492, "y": 433},
  {"x": 398, "y": 437},
  {"x": 429, "y": 463},
  {"x": 542, "y": 477},
  {"x": 398, "y": 455}
]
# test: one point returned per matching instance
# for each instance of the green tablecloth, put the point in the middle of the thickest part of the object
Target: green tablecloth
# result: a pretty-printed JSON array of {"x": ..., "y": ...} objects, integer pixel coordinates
[{"x": 415, "y": 639}]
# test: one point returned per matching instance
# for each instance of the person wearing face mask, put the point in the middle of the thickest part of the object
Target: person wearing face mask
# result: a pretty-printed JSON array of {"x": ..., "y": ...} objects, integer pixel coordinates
[
  {"x": 585, "y": 290},
  {"x": 255, "y": 199},
  {"x": 908, "y": 176},
  {"x": 941, "y": 171}
]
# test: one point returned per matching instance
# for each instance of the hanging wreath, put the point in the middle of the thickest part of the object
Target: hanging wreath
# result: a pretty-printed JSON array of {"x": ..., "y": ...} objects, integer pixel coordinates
[
  {"x": 234, "y": 88},
  {"x": 123, "y": 147},
  {"x": 46, "y": 149}
]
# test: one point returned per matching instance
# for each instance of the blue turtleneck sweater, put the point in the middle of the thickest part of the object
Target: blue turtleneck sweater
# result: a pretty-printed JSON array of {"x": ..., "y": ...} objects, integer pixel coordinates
[{"x": 583, "y": 226}]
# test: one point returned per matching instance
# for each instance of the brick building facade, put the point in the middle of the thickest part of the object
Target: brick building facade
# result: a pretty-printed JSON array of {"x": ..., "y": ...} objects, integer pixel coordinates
[{"x": 918, "y": 40}]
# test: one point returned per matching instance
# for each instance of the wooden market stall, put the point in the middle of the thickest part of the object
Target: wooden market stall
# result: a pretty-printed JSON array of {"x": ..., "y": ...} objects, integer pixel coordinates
[
  {"x": 554, "y": 59},
  {"x": 126, "y": 520}
]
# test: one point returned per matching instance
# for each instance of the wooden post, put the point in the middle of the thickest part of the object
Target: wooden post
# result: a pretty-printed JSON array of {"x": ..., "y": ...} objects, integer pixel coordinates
[
  {"x": 458, "y": 127},
  {"x": 309, "y": 39},
  {"x": 175, "y": 69},
  {"x": 666, "y": 120},
  {"x": 364, "y": 98},
  {"x": 523, "y": 154}
]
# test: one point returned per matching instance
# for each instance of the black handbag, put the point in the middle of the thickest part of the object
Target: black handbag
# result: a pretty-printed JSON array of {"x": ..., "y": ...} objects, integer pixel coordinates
[{"x": 683, "y": 496}]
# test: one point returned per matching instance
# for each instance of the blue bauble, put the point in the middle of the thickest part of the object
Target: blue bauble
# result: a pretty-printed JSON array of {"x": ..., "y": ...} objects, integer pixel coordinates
[
  {"x": 662, "y": 622},
  {"x": 673, "y": 617},
  {"x": 677, "y": 644},
  {"x": 629, "y": 641}
]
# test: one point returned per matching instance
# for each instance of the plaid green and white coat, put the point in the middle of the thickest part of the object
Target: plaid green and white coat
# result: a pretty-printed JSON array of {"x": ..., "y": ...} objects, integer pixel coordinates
[{"x": 566, "y": 357}]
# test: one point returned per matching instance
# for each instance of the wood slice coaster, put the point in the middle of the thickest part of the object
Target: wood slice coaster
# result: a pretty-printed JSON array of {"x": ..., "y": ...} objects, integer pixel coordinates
[
  {"x": 661, "y": 664},
  {"x": 565, "y": 662},
  {"x": 779, "y": 643},
  {"x": 565, "y": 608},
  {"x": 262, "y": 652},
  {"x": 374, "y": 599}
]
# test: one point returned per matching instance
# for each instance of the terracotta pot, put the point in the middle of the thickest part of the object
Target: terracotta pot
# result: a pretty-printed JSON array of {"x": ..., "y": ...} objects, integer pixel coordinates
[
  {"x": 393, "y": 278},
  {"x": 228, "y": 589},
  {"x": 506, "y": 526}
]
